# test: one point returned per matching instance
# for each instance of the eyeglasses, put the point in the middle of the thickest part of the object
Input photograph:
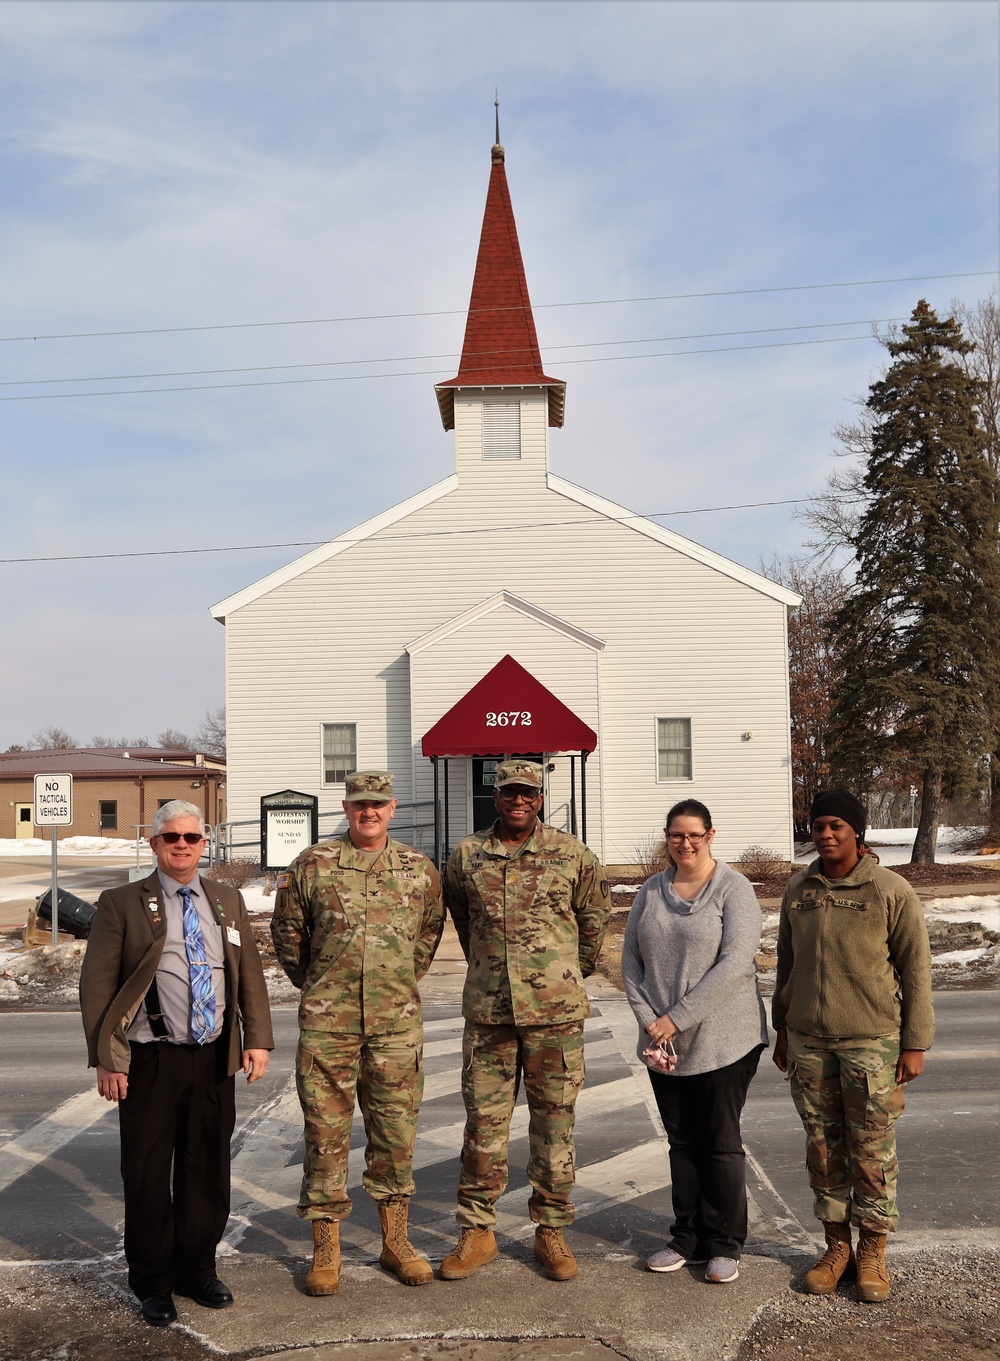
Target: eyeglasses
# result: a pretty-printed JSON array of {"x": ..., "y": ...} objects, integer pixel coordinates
[
  {"x": 172, "y": 838},
  {"x": 527, "y": 794},
  {"x": 678, "y": 838}
]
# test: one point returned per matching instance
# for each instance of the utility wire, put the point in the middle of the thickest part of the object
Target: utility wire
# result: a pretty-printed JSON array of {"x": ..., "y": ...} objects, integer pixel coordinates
[
  {"x": 492, "y": 369},
  {"x": 458, "y": 311},
  {"x": 452, "y": 354},
  {"x": 436, "y": 534}
]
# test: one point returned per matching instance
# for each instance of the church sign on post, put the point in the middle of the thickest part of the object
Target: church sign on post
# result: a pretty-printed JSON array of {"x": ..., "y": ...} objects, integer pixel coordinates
[
  {"x": 289, "y": 823},
  {"x": 54, "y": 809}
]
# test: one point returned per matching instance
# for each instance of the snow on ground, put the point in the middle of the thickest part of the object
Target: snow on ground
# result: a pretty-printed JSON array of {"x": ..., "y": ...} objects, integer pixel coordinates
[
  {"x": 962, "y": 956},
  {"x": 984, "y": 909},
  {"x": 894, "y": 845},
  {"x": 258, "y": 903},
  {"x": 70, "y": 845}
]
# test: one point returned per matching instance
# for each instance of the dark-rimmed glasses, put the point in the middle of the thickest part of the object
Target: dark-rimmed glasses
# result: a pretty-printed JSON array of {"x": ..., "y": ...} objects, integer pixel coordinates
[
  {"x": 678, "y": 838},
  {"x": 172, "y": 838},
  {"x": 525, "y": 792}
]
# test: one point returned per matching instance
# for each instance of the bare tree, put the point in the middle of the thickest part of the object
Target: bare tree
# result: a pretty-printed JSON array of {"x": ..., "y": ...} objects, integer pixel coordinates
[
  {"x": 51, "y": 738},
  {"x": 172, "y": 739},
  {"x": 118, "y": 743},
  {"x": 981, "y": 325},
  {"x": 812, "y": 667},
  {"x": 210, "y": 735}
]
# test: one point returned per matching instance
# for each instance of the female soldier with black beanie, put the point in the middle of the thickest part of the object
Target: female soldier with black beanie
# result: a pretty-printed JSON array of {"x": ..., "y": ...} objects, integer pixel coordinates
[{"x": 853, "y": 1015}]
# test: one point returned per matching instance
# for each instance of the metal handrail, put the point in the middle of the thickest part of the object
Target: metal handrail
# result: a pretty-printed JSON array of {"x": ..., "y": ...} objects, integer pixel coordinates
[{"x": 221, "y": 844}]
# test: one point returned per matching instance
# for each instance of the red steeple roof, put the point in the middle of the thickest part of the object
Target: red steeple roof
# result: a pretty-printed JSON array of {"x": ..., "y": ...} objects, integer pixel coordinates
[{"x": 500, "y": 348}]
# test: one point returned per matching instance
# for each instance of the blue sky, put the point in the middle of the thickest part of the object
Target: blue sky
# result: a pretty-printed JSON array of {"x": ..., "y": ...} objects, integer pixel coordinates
[{"x": 209, "y": 165}]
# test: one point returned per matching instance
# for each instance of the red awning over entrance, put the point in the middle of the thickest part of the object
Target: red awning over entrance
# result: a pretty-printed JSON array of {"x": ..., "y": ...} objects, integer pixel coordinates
[{"x": 508, "y": 710}]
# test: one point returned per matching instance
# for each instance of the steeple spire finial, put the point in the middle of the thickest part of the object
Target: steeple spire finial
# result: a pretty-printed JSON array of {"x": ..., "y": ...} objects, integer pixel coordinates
[{"x": 497, "y": 153}]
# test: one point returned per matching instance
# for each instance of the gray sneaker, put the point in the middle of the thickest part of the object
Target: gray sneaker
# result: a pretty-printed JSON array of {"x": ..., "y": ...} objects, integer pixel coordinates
[
  {"x": 722, "y": 1270},
  {"x": 666, "y": 1260}
]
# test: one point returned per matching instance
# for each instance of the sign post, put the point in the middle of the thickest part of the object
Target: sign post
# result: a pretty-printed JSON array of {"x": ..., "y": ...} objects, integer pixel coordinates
[{"x": 54, "y": 809}]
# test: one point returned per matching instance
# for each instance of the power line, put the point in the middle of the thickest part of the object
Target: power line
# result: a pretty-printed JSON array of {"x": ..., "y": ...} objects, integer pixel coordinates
[
  {"x": 492, "y": 369},
  {"x": 459, "y": 311},
  {"x": 452, "y": 354},
  {"x": 435, "y": 534}
]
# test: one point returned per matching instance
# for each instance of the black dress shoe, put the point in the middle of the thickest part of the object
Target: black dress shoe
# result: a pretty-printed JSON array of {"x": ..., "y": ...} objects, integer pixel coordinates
[
  {"x": 159, "y": 1310},
  {"x": 210, "y": 1292}
]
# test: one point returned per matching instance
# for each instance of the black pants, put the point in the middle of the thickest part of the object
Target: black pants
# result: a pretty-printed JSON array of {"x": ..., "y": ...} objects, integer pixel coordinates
[
  {"x": 701, "y": 1115},
  {"x": 178, "y": 1115}
]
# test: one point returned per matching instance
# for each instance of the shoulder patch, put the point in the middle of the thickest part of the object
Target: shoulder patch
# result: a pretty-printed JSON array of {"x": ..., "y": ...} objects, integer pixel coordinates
[{"x": 282, "y": 881}]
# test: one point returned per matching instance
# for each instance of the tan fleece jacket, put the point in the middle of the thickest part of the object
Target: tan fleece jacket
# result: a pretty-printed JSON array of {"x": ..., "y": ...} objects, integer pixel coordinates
[{"x": 853, "y": 957}]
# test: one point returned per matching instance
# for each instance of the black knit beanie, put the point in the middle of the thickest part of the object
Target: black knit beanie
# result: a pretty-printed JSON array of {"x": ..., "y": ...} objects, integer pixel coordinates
[{"x": 840, "y": 803}]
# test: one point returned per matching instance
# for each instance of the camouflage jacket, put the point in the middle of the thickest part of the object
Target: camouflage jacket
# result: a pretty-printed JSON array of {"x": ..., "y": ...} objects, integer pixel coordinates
[
  {"x": 356, "y": 939},
  {"x": 531, "y": 920}
]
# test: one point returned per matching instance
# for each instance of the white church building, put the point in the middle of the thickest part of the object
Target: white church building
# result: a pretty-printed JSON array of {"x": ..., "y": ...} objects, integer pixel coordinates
[{"x": 638, "y": 666}]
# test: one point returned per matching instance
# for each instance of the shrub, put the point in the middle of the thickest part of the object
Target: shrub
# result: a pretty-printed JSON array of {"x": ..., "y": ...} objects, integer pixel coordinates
[
  {"x": 758, "y": 863},
  {"x": 650, "y": 854},
  {"x": 238, "y": 872}
]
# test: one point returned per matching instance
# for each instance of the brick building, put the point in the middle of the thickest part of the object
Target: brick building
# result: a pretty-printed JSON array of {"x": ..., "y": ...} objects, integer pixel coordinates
[{"x": 113, "y": 792}]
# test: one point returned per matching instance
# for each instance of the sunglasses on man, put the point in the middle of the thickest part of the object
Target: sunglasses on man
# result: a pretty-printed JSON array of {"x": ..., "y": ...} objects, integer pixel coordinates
[{"x": 172, "y": 838}]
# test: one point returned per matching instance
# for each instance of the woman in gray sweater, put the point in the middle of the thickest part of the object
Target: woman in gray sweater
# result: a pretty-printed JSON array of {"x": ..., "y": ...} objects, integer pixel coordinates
[{"x": 690, "y": 974}]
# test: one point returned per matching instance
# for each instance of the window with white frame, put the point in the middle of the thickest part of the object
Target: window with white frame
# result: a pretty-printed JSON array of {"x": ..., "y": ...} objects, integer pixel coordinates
[
  {"x": 340, "y": 751},
  {"x": 501, "y": 430},
  {"x": 673, "y": 749}
]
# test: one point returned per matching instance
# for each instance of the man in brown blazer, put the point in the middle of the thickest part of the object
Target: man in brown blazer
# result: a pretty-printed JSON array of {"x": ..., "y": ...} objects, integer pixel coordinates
[{"x": 170, "y": 974}]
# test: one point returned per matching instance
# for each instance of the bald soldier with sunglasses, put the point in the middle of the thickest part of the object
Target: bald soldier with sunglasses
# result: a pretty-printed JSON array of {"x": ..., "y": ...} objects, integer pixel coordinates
[
  {"x": 170, "y": 977},
  {"x": 531, "y": 906}
]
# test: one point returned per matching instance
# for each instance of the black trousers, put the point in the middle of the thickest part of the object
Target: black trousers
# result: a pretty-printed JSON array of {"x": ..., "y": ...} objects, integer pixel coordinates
[
  {"x": 176, "y": 1124},
  {"x": 701, "y": 1115}
]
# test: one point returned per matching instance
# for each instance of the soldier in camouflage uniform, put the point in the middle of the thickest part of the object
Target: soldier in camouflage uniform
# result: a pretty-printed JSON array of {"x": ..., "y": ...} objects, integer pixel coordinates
[
  {"x": 355, "y": 926},
  {"x": 853, "y": 1014},
  {"x": 530, "y": 906}
]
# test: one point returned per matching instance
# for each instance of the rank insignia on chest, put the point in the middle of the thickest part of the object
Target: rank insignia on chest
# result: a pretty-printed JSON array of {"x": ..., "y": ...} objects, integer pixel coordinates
[{"x": 809, "y": 896}]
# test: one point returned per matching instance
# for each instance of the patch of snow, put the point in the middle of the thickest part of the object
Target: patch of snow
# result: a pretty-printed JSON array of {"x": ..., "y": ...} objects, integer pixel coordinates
[
  {"x": 960, "y": 957},
  {"x": 257, "y": 902},
  {"x": 984, "y": 909},
  {"x": 70, "y": 845}
]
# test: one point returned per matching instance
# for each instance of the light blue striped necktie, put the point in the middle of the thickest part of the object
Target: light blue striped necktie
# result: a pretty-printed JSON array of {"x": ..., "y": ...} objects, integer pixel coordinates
[{"x": 199, "y": 971}]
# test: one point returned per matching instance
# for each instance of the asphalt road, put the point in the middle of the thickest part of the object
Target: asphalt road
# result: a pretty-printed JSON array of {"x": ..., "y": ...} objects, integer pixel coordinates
[
  {"x": 22, "y": 878},
  {"x": 60, "y": 1190}
]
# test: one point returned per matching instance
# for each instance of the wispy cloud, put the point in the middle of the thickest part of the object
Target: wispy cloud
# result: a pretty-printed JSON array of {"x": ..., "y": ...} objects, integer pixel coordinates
[{"x": 186, "y": 164}]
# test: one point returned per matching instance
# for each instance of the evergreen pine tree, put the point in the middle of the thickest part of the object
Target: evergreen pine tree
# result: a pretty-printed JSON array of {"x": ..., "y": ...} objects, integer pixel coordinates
[{"x": 918, "y": 630}]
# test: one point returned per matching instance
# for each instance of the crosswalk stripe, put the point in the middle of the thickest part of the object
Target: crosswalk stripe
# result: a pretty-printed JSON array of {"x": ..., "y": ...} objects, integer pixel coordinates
[{"x": 48, "y": 1135}]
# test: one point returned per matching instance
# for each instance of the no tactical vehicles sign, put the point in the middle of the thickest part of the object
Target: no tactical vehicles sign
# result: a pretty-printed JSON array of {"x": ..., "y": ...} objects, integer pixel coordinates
[{"x": 53, "y": 800}]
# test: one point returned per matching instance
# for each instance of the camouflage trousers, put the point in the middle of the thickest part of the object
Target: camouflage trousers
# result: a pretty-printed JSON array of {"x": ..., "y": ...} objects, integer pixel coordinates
[
  {"x": 386, "y": 1073},
  {"x": 550, "y": 1060},
  {"x": 847, "y": 1096}
]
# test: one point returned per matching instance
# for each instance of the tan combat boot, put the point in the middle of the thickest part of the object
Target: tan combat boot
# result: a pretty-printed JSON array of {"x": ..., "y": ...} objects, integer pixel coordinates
[
  {"x": 823, "y": 1277},
  {"x": 873, "y": 1275},
  {"x": 474, "y": 1249},
  {"x": 398, "y": 1254},
  {"x": 553, "y": 1255},
  {"x": 324, "y": 1278}
]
